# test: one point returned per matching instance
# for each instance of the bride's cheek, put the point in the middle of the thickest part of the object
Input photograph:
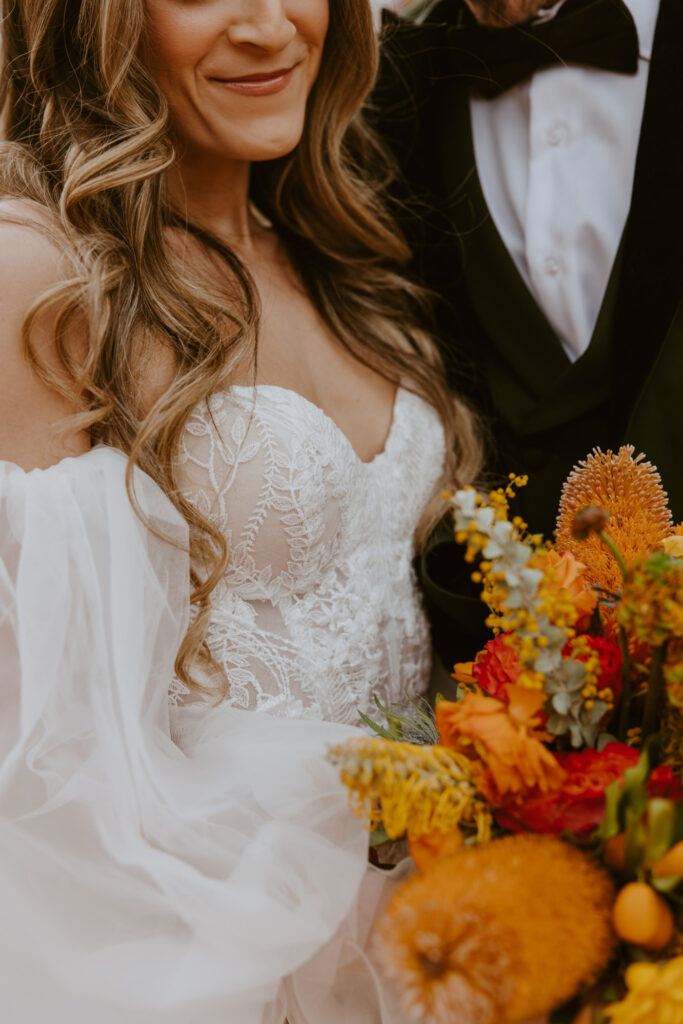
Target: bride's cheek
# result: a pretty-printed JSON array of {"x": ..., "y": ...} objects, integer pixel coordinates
[{"x": 312, "y": 21}]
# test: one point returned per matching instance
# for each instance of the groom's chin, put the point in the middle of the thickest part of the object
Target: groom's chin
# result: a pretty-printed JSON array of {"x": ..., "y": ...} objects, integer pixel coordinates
[{"x": 503, "y": 13}]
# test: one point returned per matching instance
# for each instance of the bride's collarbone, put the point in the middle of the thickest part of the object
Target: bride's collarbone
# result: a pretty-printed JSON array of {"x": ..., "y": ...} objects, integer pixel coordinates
[
  {"x": 298, "y": 352},
  {"x": 302, "y": 359}
]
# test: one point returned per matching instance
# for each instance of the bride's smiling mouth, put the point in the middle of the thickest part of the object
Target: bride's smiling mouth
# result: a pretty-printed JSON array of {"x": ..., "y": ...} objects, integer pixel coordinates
[{"x": 264, "y": 84}]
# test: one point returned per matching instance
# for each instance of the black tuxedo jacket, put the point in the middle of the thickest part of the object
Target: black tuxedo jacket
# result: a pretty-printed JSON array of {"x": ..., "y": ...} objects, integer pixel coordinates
[{"x": 543, "y": 413}]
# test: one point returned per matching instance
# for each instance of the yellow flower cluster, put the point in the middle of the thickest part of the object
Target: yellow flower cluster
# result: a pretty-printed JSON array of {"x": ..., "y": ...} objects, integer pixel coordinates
[
  {"x": 651, "y": 605},
  {"x": 651, "y": 611},
  {"x": 411, "y": 788},
  {"x": 492, "y": 578},
  {"x": 555, "y": 602},
  {"x": 655, "y": 995},
  {"x": 519, "y": 583},
  {"x": 591, "y": 691}
]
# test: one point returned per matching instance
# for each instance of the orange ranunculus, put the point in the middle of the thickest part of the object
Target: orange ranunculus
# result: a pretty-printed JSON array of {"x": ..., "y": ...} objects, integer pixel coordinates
[
  {"x": 568, "y": 575},
  {"x": 504, "y": 741}
]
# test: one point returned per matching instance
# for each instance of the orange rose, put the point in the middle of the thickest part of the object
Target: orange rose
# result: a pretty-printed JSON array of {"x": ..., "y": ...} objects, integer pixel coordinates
[
  {"x": 567, "y": 575},
  {"x": 504, "y": 741}
]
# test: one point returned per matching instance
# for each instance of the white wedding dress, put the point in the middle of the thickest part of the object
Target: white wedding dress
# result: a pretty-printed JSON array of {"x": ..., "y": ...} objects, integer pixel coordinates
[{"x": 165, "y": 859}]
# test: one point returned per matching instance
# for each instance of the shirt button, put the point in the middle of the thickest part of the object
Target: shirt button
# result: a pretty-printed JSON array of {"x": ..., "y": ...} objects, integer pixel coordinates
[
  {"x": 551, "y": 266},
  {"x": 556, "y": 134}
]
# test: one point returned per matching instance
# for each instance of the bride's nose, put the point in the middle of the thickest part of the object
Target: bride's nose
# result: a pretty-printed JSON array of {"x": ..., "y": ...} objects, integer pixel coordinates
[{"x": 262, "y": 23}]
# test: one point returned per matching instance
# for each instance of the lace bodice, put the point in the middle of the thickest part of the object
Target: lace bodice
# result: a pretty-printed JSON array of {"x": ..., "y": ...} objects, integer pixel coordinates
[{"x": 319, "y": 609}]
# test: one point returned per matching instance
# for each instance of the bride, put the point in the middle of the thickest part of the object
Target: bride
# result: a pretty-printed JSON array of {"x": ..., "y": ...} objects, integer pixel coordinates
[{"x": 223, "y": 434}]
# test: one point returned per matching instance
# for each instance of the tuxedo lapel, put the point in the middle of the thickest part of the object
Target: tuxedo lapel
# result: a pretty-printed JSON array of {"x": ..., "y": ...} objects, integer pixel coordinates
[
  {"x": 652, "y": 275},
  {"x": 504, "y": 305}
]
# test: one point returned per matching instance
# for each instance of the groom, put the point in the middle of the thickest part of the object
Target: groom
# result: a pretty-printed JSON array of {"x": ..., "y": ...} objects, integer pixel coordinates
[{"x": 541, "y": 152}]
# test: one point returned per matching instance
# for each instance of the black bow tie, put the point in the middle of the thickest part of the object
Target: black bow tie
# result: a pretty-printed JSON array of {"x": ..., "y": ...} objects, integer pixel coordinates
[{"x": 590, "y": 33}]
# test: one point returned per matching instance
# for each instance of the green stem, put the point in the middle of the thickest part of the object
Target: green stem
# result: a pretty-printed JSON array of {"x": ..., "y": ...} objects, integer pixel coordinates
[
  {"x": 611, "y": 546},
  {"x": 625, "y": 685},
  {"x": 655, "y": 687}
]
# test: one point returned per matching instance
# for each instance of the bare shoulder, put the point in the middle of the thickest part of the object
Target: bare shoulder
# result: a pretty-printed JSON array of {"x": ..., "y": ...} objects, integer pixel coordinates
[
  {"x": 33, "y": 250},
  {"x": 33, "y": 260}
]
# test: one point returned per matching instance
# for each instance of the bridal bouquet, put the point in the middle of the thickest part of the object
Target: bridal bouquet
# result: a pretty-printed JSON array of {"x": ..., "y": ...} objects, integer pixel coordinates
[{"x": 546, "y": 818}]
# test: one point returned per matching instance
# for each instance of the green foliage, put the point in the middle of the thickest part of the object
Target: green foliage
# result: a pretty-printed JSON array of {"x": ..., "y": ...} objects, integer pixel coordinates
[{"x": 406, "y": 723}]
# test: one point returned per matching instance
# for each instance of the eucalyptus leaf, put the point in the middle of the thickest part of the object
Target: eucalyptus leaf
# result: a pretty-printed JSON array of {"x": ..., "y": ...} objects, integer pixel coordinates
[
  {"x": 557, "y": 725},
  {"x": 597, "y": 712},
  {"x": 561, "y": 702},
  {"x": 574, "y": 674}
]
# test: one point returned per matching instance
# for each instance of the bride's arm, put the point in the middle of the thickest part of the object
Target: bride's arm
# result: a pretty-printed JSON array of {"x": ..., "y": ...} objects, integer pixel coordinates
[
  {"x": 168, "y": 885},
  {"x": 32, "y": 413}
]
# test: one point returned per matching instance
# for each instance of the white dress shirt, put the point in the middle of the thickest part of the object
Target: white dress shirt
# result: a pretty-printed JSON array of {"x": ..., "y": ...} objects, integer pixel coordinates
[
  {"x": 556, "y": 157},
  {"x": 379, "y": 5}
]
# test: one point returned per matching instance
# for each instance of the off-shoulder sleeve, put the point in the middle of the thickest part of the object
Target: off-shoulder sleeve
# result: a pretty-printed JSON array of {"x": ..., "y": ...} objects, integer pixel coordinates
[{"x": 139, "y": 881}]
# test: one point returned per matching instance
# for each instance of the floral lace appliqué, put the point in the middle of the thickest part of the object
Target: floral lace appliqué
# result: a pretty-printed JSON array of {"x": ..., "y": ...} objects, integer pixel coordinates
[{"x": 319, "y": 608}]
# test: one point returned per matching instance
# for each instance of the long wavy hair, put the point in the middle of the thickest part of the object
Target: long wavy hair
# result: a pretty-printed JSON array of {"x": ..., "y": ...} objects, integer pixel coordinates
[{"x": 86, "y": 135}]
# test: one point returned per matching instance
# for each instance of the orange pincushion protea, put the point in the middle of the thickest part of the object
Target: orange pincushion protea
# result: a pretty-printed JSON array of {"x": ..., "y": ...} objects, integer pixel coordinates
[
  {"x": 498, "y": 934},
  {"x": 630, "y": 489}
]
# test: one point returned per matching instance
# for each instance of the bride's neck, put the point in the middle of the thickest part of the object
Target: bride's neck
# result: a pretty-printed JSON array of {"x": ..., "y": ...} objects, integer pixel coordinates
[{"x": 216, "y": 197}]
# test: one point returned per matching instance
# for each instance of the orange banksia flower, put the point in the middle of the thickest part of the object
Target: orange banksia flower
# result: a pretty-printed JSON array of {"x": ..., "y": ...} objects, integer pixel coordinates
[
  {"x": 503, "y": 741},
  {"x": 498, "y": 934},
  {"x": 630, "y": 489}
]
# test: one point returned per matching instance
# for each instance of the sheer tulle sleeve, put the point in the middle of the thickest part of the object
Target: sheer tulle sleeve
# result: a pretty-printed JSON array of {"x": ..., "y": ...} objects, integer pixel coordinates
[{"x": 140, "y": 881}]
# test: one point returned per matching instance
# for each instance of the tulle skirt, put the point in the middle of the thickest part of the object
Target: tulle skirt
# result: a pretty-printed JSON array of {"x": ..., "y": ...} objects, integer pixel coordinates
[{"x": 192, "y": 869}]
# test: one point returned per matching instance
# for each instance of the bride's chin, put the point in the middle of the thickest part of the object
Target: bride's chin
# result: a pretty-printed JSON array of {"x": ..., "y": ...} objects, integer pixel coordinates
[{"x": 254, "y": 146}]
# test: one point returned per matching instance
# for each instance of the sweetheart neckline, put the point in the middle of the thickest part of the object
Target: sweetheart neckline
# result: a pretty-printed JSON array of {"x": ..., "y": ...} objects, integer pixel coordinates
[{"x": 400, "y": 392}]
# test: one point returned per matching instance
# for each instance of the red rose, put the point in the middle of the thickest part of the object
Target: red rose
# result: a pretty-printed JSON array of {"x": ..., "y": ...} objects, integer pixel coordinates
[
  {"x": 610, "y": 664},
  {"x": 496, "y": 666},
  {"x": 579, "y": 803},
  {"x": 664, "y": 782}
]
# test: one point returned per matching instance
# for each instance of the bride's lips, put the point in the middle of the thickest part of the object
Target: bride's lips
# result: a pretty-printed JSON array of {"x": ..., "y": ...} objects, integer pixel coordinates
[{"x": 264, "y": 84}]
